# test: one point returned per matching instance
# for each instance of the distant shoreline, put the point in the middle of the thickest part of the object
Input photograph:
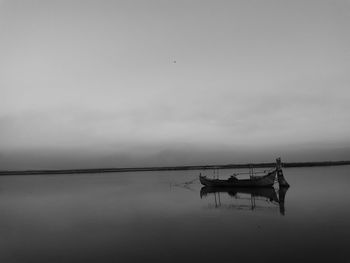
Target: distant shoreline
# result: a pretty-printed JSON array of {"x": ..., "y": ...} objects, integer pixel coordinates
[{"x": 171, "y": 168}]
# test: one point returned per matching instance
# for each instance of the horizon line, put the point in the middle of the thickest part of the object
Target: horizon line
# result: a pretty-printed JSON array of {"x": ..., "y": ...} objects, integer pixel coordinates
[{"x": 170, "y": 168}]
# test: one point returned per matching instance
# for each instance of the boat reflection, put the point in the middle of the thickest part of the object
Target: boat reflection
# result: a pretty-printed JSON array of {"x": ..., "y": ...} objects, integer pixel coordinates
[{"x": 269, "y": 195}]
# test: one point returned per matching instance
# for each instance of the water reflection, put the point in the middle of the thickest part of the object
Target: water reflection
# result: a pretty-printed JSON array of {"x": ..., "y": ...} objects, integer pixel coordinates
[
  {"x": 137, "y": 217},
  {"x": 256, "y": 197}
]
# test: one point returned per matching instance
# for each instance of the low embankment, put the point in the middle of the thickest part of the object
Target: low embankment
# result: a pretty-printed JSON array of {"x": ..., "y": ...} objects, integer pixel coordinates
[{"x": 172, "y": 168}]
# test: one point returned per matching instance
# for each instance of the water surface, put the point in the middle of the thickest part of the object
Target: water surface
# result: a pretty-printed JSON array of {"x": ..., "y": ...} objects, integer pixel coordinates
[{"x": 157, "y": 217}]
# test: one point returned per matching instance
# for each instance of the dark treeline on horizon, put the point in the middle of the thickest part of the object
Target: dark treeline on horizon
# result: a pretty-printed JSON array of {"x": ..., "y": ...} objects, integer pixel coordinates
[{"x": 172, "y": 168}]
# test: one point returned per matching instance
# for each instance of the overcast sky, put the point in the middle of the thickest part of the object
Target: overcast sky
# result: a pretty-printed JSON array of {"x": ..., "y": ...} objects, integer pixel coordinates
[{"x": 131, "y": 83}]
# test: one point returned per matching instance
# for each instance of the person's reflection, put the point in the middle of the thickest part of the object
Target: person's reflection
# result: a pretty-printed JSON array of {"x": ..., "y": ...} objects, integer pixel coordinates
[{"x": 281, "y": 196}]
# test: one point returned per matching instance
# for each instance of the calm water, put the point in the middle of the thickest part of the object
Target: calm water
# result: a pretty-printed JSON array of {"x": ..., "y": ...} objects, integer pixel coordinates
[{"x": 155, "y": 217}]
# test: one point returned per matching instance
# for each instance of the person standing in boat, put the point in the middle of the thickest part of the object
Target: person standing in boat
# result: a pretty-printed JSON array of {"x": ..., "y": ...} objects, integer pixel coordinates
[{"x": 233, "y": 177}]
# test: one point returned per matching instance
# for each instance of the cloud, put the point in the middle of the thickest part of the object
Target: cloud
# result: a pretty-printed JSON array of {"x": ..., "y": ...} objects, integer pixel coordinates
[{"x": 99, "y": 78}]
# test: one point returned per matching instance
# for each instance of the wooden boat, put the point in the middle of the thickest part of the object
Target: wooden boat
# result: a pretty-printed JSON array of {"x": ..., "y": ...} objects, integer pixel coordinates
[
  {"x": 267, "y": 180},
  {"x": 254, "y": 181}
]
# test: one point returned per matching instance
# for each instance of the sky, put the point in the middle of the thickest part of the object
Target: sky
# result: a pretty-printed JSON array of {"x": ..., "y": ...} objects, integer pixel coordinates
[{"x": 137, "y": 83}]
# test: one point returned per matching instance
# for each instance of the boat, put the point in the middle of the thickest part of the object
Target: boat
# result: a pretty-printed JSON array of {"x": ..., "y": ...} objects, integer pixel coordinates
[
  {"x": 267, "y": 180},
  {"x": 254, "y": 181}
]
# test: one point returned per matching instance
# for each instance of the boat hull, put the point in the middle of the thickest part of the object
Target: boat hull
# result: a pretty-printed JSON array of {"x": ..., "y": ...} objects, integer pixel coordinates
[{"x": 262, "y": 181}]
